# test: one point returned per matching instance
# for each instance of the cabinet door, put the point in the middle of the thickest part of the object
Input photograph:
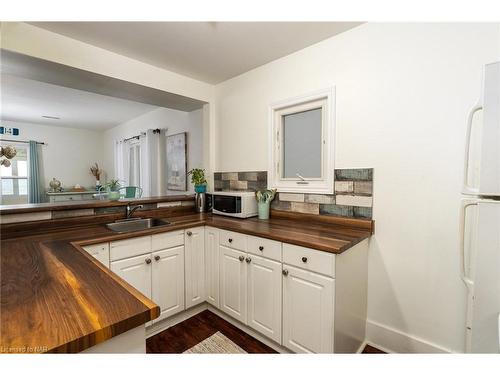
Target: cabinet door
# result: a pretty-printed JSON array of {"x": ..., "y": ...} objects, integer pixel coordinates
[
  {"x": 308, "y": 309},
  {"x": 195, "y": 266},
  {"x": 136, "y": 271},
  {"x": 212, "y": 265},
  {"x": 168, "y": 281},
  {"x": 233, "y": 283},
  {"x": 264, "y": 296},
  {"x": 99, "y": 251}
]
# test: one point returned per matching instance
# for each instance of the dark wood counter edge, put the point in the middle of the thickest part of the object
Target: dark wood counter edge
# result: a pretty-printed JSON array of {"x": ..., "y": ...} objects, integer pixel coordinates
[{"x": 43, "y": 207}]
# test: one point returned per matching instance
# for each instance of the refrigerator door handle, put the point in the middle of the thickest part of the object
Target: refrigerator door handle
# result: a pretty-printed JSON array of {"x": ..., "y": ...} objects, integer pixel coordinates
[
  {"x": 467, "y": 189},
  {"x": 463, "y": 274}
]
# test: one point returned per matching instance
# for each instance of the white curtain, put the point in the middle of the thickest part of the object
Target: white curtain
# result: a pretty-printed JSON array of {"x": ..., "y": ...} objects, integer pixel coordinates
[
  {"x": 152, "y": 163},
  {"x": 122, "y": 160}
]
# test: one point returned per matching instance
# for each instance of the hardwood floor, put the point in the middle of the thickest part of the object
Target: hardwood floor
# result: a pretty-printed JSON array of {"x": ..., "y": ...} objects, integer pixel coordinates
[
  {"x": 192, "y": 331},
  {"x": 371, "y": 350}
]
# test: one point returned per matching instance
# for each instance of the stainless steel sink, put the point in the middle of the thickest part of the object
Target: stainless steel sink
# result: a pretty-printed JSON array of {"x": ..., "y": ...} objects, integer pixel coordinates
[{"x": 132, "y": 225}]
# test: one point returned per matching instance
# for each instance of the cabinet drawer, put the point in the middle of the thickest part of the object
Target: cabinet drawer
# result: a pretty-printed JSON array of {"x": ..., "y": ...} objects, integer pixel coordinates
[
  {"x": 99, "y": 251},
  {"x": 233, "y": 240},
  {"x": 264, "y": 247},
  {"x": 167, "y": 240},
  {"x": 309, "y": 259},
  {"x": 130, "y": 247}
]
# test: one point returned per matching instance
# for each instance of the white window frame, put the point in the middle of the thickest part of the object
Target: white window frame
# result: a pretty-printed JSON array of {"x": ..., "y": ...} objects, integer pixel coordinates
[
  {"x": 27, "y": 178},
  {"x": 324, "y": 99}
]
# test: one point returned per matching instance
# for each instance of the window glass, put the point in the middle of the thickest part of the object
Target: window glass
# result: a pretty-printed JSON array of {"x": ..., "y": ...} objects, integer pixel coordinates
[{"x": 302, "y": 145}]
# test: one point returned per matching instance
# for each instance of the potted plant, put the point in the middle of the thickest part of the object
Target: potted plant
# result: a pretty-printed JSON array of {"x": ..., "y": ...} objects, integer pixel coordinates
[
  {"x": 96, "y": 172},
  {"x": 112, "y": 187},
  {"x": 198, "y": 180},
  {"x": 264, "y": 198}
]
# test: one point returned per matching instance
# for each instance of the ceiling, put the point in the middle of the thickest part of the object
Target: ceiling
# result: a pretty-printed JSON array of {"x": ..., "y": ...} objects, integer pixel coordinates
[
  {"x": 26, "y": 100},
  {"x": 207, "y": 51}
]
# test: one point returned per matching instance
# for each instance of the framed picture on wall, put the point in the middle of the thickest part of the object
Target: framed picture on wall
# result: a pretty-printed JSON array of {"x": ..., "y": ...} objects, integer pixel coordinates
[{"x": 176, "y": 162}]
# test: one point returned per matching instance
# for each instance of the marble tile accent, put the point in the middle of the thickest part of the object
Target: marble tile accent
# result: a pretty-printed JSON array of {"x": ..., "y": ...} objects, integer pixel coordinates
[
  {"x": 238, "y": 185},
  {"x": 230, "y": 176},
  {"x": 363, "y": 187},
  {"x": 352, "y": 193},
  {"x": 245, "y": 181},
  {"x": 320, "y": 198},
  {"x": 291, "y": 197},
  {"x": 363, "y": 212},
  {"x": 72, "y": 213},
  {"x": 305, "y": 208},
  {"x": 344, "y": 187},
  {"x": 363, "y": 174},
  {"x": 247, "y": 176},
  {"x": 354, "y": 200},
  {"x": 333, "y": 209},
  {"x": 281, "y": 205}
]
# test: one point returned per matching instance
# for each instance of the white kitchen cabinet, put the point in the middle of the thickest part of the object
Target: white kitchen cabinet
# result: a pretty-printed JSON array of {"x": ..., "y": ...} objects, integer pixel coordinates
[
  {"x": 308, "y": 311},
  {"x": 168, "y": 281},
  {"x": 233, "y": 283},
  {"x": 99, "y": 251},
  {"x": 194, "y": 241},
  {"x": 264, "y": 296},
  {"x": 136, "y": 271},
  {"x": 212, "y": 266}
]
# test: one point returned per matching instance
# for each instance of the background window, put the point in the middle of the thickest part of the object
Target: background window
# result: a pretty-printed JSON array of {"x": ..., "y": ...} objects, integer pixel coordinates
[{"x": 14, "y": 186}]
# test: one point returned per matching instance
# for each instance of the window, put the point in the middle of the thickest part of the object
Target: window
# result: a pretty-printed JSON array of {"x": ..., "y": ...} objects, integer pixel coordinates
[
  {"x": 134, "y": 172},
  {"x": 301, "y": 149},
  {"x": 14, "y": 186}
]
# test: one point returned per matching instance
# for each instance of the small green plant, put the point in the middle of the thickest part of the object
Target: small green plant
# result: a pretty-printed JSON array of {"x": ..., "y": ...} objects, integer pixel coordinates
[
  {"x": 265, "y": 196},
  {"x": 113, "y": 185},
  {"x": 197, "y": 176}
]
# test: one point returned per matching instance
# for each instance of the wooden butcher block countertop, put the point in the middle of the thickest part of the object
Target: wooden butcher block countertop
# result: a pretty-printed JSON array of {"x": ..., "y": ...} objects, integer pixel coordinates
[{"x": 57, "y": 298}]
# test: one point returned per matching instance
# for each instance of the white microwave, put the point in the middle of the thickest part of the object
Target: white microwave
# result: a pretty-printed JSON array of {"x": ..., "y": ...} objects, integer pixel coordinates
[{"x": 240, "y": 204}]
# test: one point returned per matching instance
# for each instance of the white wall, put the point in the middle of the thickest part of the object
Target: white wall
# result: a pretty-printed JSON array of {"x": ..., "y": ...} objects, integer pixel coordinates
[
  {"x": 173, "y": 120},
  {"x": 403, "y": 91},
  {"x": 69, "y": 154}
]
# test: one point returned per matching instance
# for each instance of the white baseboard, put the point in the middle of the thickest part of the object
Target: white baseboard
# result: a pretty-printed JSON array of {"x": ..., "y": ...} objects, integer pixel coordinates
[
  {"x": 176, "y": 319},
  {"x": 391, "y": 340}
]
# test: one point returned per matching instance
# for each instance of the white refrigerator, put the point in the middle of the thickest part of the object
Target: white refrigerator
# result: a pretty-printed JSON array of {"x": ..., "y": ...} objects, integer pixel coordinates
[{"x": 480, "y": 218}]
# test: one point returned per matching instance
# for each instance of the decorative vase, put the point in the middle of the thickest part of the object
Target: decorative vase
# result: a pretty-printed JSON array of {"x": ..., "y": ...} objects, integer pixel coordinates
[
  {"x": 264, "y": 210},
  {"x": 113, "y": 195},
  {"x": 98, "y": 185},
  {"x": 200, "y": 188}
]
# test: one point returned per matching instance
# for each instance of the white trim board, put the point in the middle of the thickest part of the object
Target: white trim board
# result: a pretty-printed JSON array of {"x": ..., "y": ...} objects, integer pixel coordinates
[{"x": 391, "y": 340}]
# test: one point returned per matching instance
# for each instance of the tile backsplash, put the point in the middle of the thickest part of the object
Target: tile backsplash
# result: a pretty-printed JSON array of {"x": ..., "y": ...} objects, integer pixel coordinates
[{"x": 353, "y": 195}]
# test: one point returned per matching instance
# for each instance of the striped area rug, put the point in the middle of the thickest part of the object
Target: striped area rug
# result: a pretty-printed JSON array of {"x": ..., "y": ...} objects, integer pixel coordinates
[{"x": 216, "y": 344}]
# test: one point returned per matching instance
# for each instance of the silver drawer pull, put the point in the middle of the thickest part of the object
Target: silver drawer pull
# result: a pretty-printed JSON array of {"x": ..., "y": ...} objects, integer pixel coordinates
[
  {"x": 241, "y": 258},
  {"x": 304, "y": 259},
  {"x": 148, "y": 261},
  {"x": 248, "y": 259},
  {"x": 261, "y": 248},
  {"x": 285, "y": 272}
]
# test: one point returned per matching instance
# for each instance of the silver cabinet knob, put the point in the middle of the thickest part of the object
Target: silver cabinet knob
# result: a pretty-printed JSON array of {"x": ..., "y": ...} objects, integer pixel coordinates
[
  {"x": 304, "y": 259},
  {"x": 248, "y": 259},
  {"x": 148, "y": 261},
  {"x": 241, "y": 258},
  {"x": 157, "y": 258},
  {"x": 189, "y": 233},
  {"x": 285, "y": 272}
]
